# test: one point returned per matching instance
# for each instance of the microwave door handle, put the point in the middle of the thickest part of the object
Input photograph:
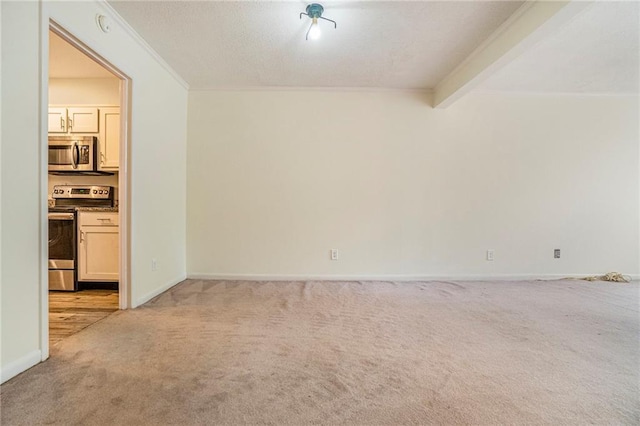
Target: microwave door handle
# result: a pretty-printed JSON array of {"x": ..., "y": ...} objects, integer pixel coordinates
[{"x": 74, "y": 155}]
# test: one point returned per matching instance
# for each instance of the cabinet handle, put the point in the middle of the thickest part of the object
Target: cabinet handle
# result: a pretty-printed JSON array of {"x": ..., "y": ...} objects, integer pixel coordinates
[
  {"x": 81, "y": 236},
  {"x": 70, "y": 121},
  {"x": 61, "y": 123},
  {"x": 104, "y": 219},
  {"x": 102, "y": 158}
]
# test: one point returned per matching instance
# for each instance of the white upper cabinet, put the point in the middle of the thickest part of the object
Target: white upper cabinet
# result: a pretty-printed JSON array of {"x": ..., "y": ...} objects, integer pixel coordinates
[
  {"x": 57, "y": 122},
  {"x": 82, "y": 120},
  {"x": 109, "y": 138},
  {"x": 73, "y": 120}
]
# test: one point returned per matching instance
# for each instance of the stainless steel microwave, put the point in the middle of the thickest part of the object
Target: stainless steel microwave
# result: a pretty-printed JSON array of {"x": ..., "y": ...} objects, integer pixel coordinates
[{"x": 73, "y": 154}]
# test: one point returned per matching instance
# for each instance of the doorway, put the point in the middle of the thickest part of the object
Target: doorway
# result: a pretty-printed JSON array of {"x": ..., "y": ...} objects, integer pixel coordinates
[{"x": 88, "y": 103}]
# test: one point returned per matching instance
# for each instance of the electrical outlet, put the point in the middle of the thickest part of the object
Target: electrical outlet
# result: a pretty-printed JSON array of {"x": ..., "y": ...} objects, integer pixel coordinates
[
  {"x": 334, "y": 254},
  {"x": 491, "y": 254},
  {"x": 556, "y": 253},
  {"x": 154, "y": 264}
]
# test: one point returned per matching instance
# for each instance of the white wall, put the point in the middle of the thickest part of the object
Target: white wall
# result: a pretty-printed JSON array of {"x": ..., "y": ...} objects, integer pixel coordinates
[
  {"x": 1, "y": 196},
  {"x": 21, "y": 226},
  {"x": 84, "y": 91},
  {"x": 157, "y": 153},
  {"x": 277, "y": 178}
]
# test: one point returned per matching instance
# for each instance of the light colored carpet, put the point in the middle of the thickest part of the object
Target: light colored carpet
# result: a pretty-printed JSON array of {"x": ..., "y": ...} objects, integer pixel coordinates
[{"x": 220, "y": 352}]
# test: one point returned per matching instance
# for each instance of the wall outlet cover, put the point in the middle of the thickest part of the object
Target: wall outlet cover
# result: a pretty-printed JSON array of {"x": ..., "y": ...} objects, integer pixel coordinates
[{"x": 491, "y": 254}]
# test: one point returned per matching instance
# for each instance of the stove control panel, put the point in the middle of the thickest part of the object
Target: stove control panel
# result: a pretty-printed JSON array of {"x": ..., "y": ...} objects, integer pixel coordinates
[{"x": 83, "y": 191}]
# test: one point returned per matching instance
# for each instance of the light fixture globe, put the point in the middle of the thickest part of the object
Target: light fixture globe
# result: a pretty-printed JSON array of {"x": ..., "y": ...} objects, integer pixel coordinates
[{"x": 314, "y": 11}]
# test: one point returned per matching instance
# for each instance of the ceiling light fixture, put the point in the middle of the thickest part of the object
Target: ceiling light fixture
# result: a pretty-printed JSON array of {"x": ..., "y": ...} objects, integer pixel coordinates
[{"x": 314, "y": 11}]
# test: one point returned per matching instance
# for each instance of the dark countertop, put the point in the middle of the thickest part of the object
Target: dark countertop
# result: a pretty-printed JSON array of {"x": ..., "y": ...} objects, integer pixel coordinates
[{"x": 97, "y": 209}]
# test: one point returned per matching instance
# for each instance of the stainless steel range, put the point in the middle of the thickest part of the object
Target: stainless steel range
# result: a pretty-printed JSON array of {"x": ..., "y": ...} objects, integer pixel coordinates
[{"x": 63, "y": 248}]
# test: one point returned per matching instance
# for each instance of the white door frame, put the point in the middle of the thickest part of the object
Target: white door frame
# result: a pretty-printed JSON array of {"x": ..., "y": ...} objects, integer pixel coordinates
[{"x": 124, "y": 180}]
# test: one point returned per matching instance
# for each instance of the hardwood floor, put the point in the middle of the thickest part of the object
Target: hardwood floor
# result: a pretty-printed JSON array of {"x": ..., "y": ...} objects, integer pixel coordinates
[{"x": 71, "y": 312}]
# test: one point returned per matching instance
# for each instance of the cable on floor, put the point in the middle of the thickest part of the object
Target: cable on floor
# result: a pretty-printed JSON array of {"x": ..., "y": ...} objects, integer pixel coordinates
[{"x": 616, "y": 277}]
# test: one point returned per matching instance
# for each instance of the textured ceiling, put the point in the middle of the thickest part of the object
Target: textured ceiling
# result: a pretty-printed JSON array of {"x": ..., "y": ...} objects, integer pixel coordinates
[
  {"x": 389, "y": 44},
  {"x": 597, "y": 52},
  {"x": 65, "y": 61}
]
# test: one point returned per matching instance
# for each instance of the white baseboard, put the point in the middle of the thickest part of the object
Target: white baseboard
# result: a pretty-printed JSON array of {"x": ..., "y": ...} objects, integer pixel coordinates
[
  {"x": 144, "y": 299},
  {"x": 303, "y": 277},
  {"x": 18, "y": 366}
]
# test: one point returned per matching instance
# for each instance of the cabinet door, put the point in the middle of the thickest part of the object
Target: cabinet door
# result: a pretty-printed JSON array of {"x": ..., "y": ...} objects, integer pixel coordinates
[
  {"x": 98, "y": 253},
  {"x": 109, "y": 138},
  {"x": 57, "y": 122},
  {"x": 82, "y": 120}
]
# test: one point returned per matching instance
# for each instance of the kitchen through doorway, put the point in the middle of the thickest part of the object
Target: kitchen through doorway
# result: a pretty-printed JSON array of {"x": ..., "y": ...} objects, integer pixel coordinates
[{"x": 87, "y": 188}]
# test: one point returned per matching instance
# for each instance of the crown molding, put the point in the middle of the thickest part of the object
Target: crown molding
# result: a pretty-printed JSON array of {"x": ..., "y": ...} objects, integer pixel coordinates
[
  {"x": 138, "y": 39},
  {"x": 308, "y": 89},
  {"x": 523, "y": 92}
]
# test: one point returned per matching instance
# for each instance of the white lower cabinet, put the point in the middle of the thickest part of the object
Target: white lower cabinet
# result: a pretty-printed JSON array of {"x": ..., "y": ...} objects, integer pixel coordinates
[{"x": 98, "y": 246}]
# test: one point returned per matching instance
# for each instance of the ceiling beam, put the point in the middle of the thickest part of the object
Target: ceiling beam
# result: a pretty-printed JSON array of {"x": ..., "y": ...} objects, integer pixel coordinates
[{"x": 531, "y": 23}]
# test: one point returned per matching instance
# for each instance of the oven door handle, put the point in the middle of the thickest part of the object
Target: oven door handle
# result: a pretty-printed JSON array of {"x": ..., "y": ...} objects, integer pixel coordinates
[
  {"x": 60, "y": 216},
  {"x": 75, "y": 155}
]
